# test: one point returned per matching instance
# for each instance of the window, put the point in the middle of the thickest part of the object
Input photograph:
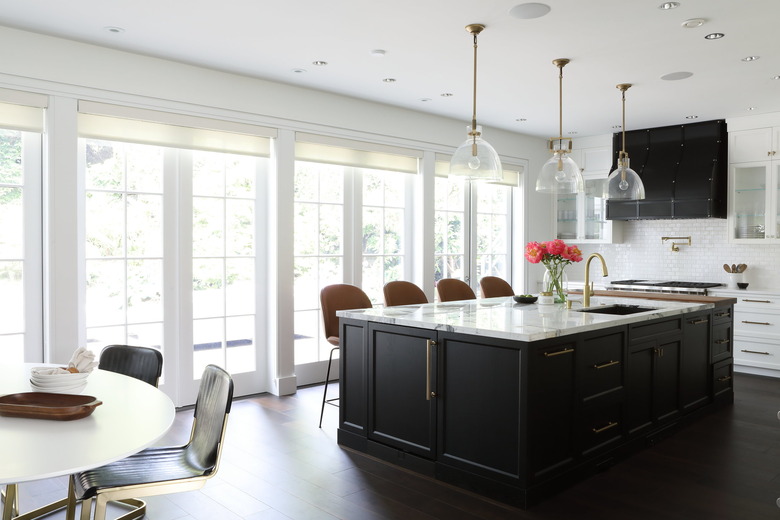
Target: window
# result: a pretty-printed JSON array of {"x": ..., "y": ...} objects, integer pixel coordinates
[
  {"x": 479, "y": 210},
  {"x": 21, "y": 126},
  {"x": 350, "y": 226}
]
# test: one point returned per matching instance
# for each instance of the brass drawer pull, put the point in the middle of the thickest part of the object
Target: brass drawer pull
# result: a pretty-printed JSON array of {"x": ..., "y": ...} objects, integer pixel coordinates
[
  {"x": 756, "y": 301},
  {"x": 722, "y": 314},
  {"x": 724, "y": 378},
  {"x": 698, "y": 322},
  {"x": 722, "y": 341},
  {"x": 429, "y": 344},
  {"x": 559, "y": 352},
  {"x": 609, "y": 425},
  {"x": 755, "y": 352},
  {"x": 756, "y": 322},
  {"x": 607, "y": 364}
]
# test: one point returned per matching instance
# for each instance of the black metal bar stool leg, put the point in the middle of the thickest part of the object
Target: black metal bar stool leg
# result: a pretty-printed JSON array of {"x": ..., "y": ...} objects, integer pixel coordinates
[{"x": 325, "y": 392}]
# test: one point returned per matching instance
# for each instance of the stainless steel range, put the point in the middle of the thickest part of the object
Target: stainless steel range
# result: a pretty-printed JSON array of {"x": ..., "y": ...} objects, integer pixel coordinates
[{"x": 663, "y": 286}]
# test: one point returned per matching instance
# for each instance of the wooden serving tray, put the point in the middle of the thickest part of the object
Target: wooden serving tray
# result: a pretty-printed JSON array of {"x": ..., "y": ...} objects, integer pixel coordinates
[{"x": 44, "y": 405}]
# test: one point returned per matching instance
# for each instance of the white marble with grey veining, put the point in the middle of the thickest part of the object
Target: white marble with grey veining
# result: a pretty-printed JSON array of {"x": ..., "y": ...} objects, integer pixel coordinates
[{"x": 503, "y": 318}]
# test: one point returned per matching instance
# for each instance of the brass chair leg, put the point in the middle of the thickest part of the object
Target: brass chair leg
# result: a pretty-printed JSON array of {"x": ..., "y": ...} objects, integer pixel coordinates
[
  {"x": 11, "y": 506},
  {"x": 10, "y": 500}
]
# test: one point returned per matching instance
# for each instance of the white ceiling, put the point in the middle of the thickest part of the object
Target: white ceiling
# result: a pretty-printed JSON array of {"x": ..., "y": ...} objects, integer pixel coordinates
[{"x": 429, "y": 52}]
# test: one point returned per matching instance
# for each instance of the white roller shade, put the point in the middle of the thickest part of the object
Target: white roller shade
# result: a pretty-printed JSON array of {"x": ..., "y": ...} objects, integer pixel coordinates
[
  {"x": 347, "y": 152},
  {"x": 22, "y": 110},
  {"x": 129, "y": 124}
]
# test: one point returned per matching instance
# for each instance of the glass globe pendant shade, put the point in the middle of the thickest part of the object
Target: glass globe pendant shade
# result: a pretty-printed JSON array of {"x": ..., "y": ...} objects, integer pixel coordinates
[
  {"x": 476, "y": 159},
  {"x": 624, "y": 183},
  {"x": 560, "y": 174}
]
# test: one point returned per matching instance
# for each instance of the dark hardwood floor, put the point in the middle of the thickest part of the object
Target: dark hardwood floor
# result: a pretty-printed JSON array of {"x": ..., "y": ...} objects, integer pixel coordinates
[{"x": 278, "y": 465}]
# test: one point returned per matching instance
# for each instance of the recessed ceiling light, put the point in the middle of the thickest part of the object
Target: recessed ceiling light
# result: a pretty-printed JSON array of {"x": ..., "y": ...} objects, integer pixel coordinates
[
  {"x": 378, "y": 53},
  {"x": 447, "y": 94},
  {"x": 714, "y": 36},
  {"x": 572, "y": 133},
  {"x": 674, "y": 76},
  {"x": 750, "y": 58},
  {"x": 691, "y": 117},
  {"x": 776, "y": 77},
  {"x": 752, "y": 108},
  {"x": 529, "y": 11},
  {"x": 389, "y": 80},
  {"x": 669, "y": 5},
  {"x": 299, "y": 71},
  {"x": 425, "y": 99},
  {"x": 319, "y": 63},
  {"x": 693, "y": 23},
  {"x": 521, "y": 120},
  {"x": 113, "y": 30}
]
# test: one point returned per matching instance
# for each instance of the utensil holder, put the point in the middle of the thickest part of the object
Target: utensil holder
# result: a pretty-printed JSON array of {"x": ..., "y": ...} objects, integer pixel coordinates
[{"x": 733, "y": 279}]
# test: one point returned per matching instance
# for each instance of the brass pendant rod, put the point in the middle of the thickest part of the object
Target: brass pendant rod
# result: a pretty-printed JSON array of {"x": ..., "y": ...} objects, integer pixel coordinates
[
  {"x": 474, "y": 29},
  {"x": 560, "y": 100},
  {"x": 623, "y": 87}
]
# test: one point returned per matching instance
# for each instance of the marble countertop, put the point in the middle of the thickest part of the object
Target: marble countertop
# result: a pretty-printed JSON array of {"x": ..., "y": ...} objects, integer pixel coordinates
[{"x": 503, "y": 318}]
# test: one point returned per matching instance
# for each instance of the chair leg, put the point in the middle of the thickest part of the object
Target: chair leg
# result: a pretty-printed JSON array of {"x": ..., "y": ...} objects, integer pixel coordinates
[
  {"x": 10, "y": 499},
  {"x": 327, "y": 380}
]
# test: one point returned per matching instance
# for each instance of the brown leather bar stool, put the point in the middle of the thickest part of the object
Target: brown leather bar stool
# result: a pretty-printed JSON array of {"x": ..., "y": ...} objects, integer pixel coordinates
[
  {"x": 403, "y": 293},
  {"x": 337, "y": 297},
  {"x": 493, "y": 287},
  {"x": 452, "y": 289}
]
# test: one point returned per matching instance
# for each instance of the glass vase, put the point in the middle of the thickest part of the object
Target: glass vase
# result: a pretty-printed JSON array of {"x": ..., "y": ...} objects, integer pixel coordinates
[{"x": 556, "y": 282}]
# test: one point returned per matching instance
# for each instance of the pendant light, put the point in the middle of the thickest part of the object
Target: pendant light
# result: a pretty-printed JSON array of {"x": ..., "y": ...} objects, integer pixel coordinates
[
  {"x": 560, "y": 174},
  {"x": 624, "y": 183},
  {"x": 475, "y": 159}
]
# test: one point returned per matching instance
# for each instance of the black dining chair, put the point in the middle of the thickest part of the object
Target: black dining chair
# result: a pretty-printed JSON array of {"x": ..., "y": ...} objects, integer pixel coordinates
[
  {"x": 144, "y": 363},
  {"x": 161, "y": 470}
]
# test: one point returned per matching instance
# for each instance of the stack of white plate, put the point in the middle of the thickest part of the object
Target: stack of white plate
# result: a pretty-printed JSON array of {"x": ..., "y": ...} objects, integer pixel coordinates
[{"x": 59, "y": 383}]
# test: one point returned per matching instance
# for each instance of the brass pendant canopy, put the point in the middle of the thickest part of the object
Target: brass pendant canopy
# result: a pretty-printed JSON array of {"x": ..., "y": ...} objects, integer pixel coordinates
[
  {"x": 560, "y": 174},
  {"x": 475, "y": 158}
]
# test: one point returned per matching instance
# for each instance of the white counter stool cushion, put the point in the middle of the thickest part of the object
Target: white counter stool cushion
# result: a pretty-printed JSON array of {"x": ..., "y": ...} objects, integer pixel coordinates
[{"x": 157, "y": 471}]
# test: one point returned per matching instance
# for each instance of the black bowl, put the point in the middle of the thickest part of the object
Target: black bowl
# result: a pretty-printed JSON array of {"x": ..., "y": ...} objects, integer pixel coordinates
[
  {"x": 742, "y": 285},
  {"x": 525, "y": 299}
]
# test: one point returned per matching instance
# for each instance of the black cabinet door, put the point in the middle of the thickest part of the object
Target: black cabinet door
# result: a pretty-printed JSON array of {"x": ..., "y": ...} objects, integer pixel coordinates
[
  {"x": 666, "y": 379},
  {"x": 402, "y": 373},
  {"x": 551, "y": 407},
  {"x": 478, "y": 399},
  {"x": 695, "y": 369}
]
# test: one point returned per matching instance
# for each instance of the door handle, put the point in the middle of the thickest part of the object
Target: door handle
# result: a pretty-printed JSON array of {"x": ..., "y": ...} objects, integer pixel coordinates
[{"x": 429, "y": 344}]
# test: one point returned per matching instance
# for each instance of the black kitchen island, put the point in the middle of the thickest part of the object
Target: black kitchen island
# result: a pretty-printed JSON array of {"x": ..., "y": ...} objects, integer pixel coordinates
[{"x": 516, "y": 402}]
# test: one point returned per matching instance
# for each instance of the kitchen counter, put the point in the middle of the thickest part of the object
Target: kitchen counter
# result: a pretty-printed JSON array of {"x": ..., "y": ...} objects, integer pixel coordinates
[{"x": 503, "y": 318}]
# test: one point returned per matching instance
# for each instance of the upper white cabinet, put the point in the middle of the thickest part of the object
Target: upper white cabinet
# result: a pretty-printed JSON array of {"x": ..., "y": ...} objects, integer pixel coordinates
[
  {"x": 754, "y": 185},
  {"x": 583, "y": 216}
]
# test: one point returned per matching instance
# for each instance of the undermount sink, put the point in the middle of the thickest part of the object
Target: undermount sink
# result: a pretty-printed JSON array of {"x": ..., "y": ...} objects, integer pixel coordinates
[{"x": 620, "y": 310}]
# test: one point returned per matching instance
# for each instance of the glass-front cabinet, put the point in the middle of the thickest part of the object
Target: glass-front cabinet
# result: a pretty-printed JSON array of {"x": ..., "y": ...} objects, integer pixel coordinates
[
  {"x": 754, "y": 185},
  {"x": 583, "y": 216},
  {"x": 754, "y": 213}
]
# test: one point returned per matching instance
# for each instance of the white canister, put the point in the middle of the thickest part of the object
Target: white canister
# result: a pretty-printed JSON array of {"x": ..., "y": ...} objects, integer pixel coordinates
[
  {"x": 545, "y": 298},
  {"x": 734, "y": 279}
]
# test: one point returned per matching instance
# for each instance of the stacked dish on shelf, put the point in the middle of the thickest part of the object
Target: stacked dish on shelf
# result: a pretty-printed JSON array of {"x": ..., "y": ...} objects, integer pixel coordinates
[{"x": 745, "y": 231}]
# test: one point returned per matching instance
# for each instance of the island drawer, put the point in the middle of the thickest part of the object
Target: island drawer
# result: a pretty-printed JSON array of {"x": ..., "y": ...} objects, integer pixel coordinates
[
  {"x": 721, "y": 342},
  {"x": 722, "y": 314},
  {"x": 602, "y": 365},
  {"x": 722, "y": 377},
  {"x": 601, "y": 426},
  {"x": 641, "y": 331}
]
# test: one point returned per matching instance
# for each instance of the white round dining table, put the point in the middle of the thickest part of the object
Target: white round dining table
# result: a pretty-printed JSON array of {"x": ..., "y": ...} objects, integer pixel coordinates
[{"x": 133, "y": 415}]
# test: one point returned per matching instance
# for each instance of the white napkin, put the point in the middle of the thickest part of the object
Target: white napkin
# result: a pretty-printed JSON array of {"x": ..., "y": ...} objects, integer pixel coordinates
[
  {"x": 48, "y": 371},
  {"x": 83, "y": 360}
]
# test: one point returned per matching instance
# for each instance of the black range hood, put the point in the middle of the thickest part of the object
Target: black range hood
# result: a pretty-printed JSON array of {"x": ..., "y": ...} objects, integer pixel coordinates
[{"x": 683, "y": 167}]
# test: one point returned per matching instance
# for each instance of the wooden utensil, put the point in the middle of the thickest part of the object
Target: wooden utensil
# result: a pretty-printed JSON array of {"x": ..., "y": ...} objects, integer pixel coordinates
[
  {"x": 741, "y": 268},
  {"x": 733, "y": 268},
  {"x": 726, "y": 268}
]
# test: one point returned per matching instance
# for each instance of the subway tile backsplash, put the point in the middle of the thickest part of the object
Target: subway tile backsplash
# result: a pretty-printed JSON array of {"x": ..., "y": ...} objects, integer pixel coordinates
[{"x": 642, "y": 254}]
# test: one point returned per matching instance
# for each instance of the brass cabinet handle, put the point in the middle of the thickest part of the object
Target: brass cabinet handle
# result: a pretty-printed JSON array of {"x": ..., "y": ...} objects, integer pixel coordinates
[
  {"x": 609, "y": 425},
  {"x": 607, "y": 364},
  {"x": 722, "y": 341},
  {"x": 724, "y": 378},
  {"x": 756, "y": 301},
  {"x": 698, "y": 322},
  {"x": 658, "y": 352},
  {"x": 721, "y": 314},
  {"x": 559, "y": 352},
  {"x": 429, "y": 344},
  {"x": 756, "y": 322},
  {"x": 755, "y": 352}
]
